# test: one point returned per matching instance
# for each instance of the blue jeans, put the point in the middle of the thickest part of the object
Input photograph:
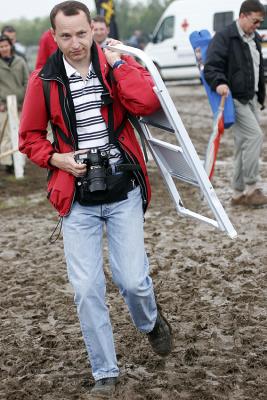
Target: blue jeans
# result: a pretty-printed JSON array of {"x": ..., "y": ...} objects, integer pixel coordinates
[{"x": 82, "y": 233}]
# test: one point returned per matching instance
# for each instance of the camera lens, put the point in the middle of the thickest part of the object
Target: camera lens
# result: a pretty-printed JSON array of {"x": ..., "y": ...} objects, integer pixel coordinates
[{"x": 97, "y": 178}]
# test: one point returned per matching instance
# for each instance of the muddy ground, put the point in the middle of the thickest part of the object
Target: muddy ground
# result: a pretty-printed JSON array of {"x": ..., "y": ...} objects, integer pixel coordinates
[{"x": 212, "y": 288}]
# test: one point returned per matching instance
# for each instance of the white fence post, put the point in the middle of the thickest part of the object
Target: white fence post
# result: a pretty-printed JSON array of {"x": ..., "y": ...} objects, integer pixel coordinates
[{"x": 13, "y": 120}]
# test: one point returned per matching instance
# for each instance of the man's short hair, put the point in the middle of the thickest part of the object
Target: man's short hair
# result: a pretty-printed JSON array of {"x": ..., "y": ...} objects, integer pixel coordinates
[
  {"x": 99, "y": 18},
  {"x": 249, "y": 6},
  {"x": 8, "y": 28},
  {"x": 69, "y": 8}
]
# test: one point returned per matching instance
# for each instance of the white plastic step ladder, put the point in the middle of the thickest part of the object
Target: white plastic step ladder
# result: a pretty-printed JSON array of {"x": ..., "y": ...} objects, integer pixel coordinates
[{"x": 176, "y": 161}]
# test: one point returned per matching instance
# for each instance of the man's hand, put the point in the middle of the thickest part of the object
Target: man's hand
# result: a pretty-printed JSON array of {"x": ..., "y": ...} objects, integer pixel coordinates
[
  {"x": 66, "y": 162},
  {"x": 112, "y": 56},
  {"x": 222, "y": 90}
]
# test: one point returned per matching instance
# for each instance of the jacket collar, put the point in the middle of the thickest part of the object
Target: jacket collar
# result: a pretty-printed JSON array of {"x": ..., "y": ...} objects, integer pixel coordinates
[
  {"x": 233, "y": 31},
  {"x": 13, "y": 60},
  {"x": 54, "y": 68},
  {"x": 100, "y": 65}
]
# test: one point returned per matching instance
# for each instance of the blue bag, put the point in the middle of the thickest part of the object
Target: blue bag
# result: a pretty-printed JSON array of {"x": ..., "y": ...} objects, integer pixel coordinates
[{"x": 199, "y": 41}]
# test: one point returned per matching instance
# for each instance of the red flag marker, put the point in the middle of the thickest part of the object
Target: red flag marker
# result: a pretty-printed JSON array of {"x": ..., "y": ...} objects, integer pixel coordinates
[{"x": 214, "y": 140}]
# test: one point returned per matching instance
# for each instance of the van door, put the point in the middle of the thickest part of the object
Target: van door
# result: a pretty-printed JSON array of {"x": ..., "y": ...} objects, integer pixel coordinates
[
  {"x": 163, "y": 47},
  {"x": 171, "y": 51}
]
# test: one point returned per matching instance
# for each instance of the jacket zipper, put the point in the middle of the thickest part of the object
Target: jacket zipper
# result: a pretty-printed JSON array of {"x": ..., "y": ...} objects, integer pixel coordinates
[
  {"x": 66, "y": 105},
  {"x": 65, "y": 101},
  {"x": 72, "y": 136}
]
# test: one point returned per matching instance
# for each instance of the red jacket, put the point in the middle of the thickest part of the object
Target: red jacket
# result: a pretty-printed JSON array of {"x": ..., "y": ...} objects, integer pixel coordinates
[
  {"x": 131, "y": 91},
  {"x": 47, "y": 46}
]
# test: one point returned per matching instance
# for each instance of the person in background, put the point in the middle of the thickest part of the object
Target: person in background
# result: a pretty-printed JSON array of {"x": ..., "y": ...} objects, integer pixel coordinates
[
  {"x": 89, "y": 116},
  {"x": 234, "y": 62},
  {"x": 100, "y": 29},
  {"x": 10, "y": 31},
  {"x": 13, "y": 81},
  {"x": 136, "y": 40},
  {"x": 47, "y": 46}
]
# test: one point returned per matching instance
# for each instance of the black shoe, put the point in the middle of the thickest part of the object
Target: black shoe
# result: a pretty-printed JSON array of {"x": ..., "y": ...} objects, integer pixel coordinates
[
  {"x": 104, "y": 388},
  {"x": 160, "y": 337}
]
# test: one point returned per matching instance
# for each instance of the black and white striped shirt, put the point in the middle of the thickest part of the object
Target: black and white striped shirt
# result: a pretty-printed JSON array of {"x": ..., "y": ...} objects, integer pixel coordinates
[{"x": 91, "y": 127}]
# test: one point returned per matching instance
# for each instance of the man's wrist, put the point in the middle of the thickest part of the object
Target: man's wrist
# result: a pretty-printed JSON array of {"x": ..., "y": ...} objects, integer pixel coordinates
[
  {"x": 117, "y": 64},
  {"x": 53, "y": 160}
]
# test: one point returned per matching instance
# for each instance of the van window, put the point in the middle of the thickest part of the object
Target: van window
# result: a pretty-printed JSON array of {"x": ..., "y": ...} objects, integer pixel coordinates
[
  {"x": 165, "y": 31},
  {"x": 222, "y": 19}
]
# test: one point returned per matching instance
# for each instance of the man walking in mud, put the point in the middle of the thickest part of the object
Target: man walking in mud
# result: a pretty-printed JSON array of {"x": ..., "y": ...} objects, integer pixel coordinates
[
  {"x": 97, "y": 176},
  {"x": 234, "y": 62}
]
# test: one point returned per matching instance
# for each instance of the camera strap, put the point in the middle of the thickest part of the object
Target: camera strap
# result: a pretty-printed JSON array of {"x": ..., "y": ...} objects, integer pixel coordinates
[
  {"x": 63, "y": 136},
  {"x": 113, "y": 135},
  {"x": 115, "y": 168}
]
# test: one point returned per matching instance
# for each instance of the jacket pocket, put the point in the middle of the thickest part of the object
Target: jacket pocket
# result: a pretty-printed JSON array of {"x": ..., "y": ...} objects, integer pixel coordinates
[
  {"x": 60, "y": 190},
  {"x": 237, "y": 82}
]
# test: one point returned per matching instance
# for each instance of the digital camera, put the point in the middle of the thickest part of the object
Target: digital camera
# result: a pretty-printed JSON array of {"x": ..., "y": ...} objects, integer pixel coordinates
[{"x": 96, "y": 162}]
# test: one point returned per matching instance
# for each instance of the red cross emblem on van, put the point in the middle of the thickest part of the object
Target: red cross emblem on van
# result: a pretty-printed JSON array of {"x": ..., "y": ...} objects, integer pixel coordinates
[{"x": 185, "y": 24}]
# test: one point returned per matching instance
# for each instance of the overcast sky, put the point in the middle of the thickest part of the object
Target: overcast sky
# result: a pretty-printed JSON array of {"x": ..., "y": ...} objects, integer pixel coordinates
[{"x": 13, "y": 9}]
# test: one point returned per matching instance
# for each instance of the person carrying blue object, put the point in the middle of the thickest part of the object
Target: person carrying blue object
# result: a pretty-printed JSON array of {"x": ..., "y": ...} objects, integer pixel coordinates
[
  {"x": 234, "y": 63},
  {"x": 200, "y": 41}
]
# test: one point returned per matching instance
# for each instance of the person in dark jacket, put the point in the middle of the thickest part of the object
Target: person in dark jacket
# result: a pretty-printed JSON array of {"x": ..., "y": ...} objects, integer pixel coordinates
[
  {"x": 97, "y": 176},
  {"x": 234, "y": 63}
]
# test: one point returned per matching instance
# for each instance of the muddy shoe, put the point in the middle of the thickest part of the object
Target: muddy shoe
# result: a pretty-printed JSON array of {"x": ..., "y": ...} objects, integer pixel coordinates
[
  {"x": 256, "y": 198},
  {"x": 104, "y": 388},
  {"x": 160, "y": 337},
  {"x": 239, "y": 201}
]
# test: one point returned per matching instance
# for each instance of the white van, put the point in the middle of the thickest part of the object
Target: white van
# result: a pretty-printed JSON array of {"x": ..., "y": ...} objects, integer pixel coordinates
[{"x": 170, "y": 48}]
